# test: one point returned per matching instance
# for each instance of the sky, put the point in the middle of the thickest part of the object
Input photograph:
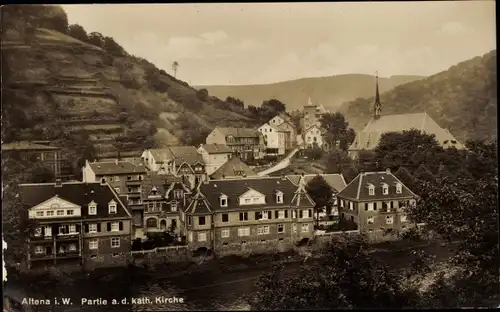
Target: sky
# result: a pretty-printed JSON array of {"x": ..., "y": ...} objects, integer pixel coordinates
[{"x": 259, "y": 43}]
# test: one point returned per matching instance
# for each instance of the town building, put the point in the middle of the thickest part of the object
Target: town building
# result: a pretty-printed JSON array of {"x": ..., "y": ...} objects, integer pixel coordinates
[
  {"x": 376, "y": 202},
  {"x": 77, "y": 224},
  {"x": 163, "y": 196},
  {"x": 181, "y": 161},
  {"x": 369, "y": 138},
  {"x": 214, "y": 155},
  {"x": 311, "y": 116},
  {"x": 284, "y": 122},
  {"x": 234, "y": 212},
  {"x": 246, "y": 143},
  {"x": 48, "y": 156},
  {"x": 233, "y": 168},
  {"x": 313, "y": 136},
  {"x": 274, "y": 139}
]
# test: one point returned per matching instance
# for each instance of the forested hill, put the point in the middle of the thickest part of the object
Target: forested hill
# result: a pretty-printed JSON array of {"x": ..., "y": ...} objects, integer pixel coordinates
[
  {"x": 65, "y": 85},
  {"x": 462, "y": 99}
]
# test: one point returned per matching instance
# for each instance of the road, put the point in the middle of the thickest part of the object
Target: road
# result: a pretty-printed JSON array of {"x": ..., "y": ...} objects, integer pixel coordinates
[{"x": 285, "y": 162}]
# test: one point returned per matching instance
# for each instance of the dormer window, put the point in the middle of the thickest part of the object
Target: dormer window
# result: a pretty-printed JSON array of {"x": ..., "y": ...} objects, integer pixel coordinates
[
  {"x": 385, "y": 189},
  {"x": 279, "y": 197},
  {"x": 223, "y": 201},
  {"x": 399, "y": 188},
  {"x": 112, "y": 207},
  {"x": 92, "y": 208},
  {"x": 154, "y": 191},
  {"x": 371, "y": 189}
]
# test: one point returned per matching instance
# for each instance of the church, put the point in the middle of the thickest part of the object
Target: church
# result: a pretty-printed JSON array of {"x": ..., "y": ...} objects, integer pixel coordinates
[{"x": 379, "y": 124}]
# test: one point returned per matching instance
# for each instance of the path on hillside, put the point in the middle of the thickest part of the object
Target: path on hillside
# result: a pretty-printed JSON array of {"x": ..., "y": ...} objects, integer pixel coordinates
[{"x": 285, "y": 162}]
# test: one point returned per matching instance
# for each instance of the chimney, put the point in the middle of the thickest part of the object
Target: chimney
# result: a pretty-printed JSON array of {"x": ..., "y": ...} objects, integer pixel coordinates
[
  {"x": 58, "y": 183},
  {"x": 388, "y": 170}
]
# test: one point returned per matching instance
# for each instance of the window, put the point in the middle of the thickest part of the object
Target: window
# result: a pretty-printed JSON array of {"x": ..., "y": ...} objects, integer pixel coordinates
[
  {"x": 279, "y": 198},
  {"x": 385, "y": 190},
  {"x": 115, "y": 254},
  {"x": 225, "y": 217},
  {"x": 386, "y": 207},
  {"x": 225, "y": 233},
  {"x": 111, "y": 179},
  {"x": 263, "y": 230},
  {"x": 247, "y": 200},
  {"x": 39, "y": 250},
  {"x": 48, "y": 231},
  {"x": 115, "y": 227},
  {"x": 399, "y": 188},
  {"x": 39, "y": 213},
  {"x": 50, "y": 213},
  {"x": 202, "y": 237},
  {"x": 60, "y": 212},
  {"x": 294, "y": 214},
  {"x": 370, "y": 220},
  {"x": 305, "y": 227},
  {"x": 403, "y": 218},
  {"x": 281, "y": 228},
  {"x": 201, "y": 220},
  {"x": 371, "y": 190},
  {"x": 92, "y": 209},
  {"x": 94, "y": 244},
  {"x": 369, "y": 207},
  {"x": 243, "y": 216},
  {"x": 389, "y": 219},
  {"x": 173, "y": 206},
  {"x": 189, "y": 220},
  {"x": 93, "y": 228},
  {"x": 115, "y": 242},
  {"x": 294, "y": 228},
  {"x": 351, "y": 206},
  {"x": 281, "y": 214},
  {"x": 69, "y": 212},
  {"x": 72, "y": 247},
  {"x": 38, "y": 232},
  {"x": 223, "y": 201},
  {"x": 244, "y": 231},
  {"x": 117, "y": 190},
  {"x": 112, "y": 207},
  {"x": 264, "y": 215},
  {"x": 72, "y": 229},
  {"x": 63, "y": 229},
  {"x": 117, "y": 178}
]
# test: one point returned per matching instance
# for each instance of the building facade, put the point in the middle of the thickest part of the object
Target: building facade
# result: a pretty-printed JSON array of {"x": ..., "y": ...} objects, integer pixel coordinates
[
  {"x": 234, "y": 212},
  {"x": 376, "y": 202},
  {"x": 78, "y": 224},
  {"x": 313, "y": 136},
  {"x": 214, "y": 156},
  {"x": 284, "y": 122},
  {"x": 274, "y": 139},
  {"x": 245, "y": 143},
  {"x": 234, "y": 168}
]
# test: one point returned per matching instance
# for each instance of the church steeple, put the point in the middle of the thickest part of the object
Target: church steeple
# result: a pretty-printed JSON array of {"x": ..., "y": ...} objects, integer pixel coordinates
[{"x": 377, "y": 107}]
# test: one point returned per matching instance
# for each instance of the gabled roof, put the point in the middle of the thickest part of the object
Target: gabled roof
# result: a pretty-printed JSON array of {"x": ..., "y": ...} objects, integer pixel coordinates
[
  {"x": 27, "y": 146},
  {"x": 160, "y": 181},
  {"x": 315, "y": 126},
  {"x": 231, "y": 169},
  {"x": 116, "y": 168},
  {"x": 179, "y": 154},
  {"x": 268, "y": 125},
  {"x": 78, "y": 193},
  {"x": 234, "y": 188},
  {"x": 238, "y": 132},
  {"x": 301, "y": 198},
  {"x": 398, "y": 123},
  {"x": 216, "y": 148},
  {"x": 198, "y": 204},
  {"x": 335, "y": 180},
  {"x": 358, "y": 189}
]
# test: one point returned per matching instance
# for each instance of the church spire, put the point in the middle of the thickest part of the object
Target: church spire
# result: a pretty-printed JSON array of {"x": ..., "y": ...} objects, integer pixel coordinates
[
  {"x": 377, "y": 107},
  {"x": 309, "y": 102}
]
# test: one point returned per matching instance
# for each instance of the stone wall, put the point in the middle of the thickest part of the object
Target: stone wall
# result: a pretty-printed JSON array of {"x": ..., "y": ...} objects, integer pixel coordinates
[
  {"x": 255, "y": 247},
  {"x": 161, "y": 255}
]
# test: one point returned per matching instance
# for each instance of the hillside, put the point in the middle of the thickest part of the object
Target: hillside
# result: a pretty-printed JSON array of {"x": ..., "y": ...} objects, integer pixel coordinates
[
  {"x": 328, "y": 91},
  {"x": 462, "y": 99},
  {"x": 93, "y": 93}
]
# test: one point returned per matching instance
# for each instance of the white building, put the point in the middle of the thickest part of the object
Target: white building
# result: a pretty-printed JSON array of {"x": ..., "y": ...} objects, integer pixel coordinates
[
  {"x": 214, "y": 156},
  {"x": 313, "y": 136},
  {"x": 274, "y": 139}
]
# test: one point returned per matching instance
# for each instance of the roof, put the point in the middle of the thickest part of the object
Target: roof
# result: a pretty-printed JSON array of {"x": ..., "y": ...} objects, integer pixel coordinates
[
  {"x": 335, "y": 180},
  {"x": 281, "y": 128},
  {"x": 159, "y": 181},
  {"x": 27, "y": 146},
  {"x": 238, "y": 132},
  {"x": 216, "y": 148},
  {"x": 234, "y": 188},
  {"x": 371, "y": 134},
  {"x": 78, "y": 193},
  {"x": 179, "y": 154},
  {"x": 232, "y": 168},
  {"x": 199, "y": 204},
  {"x": 274, "y": 127},
  {"x": 115, "y": 168},
  {"x": 315, "y": 126},
  {"x": 357, "y": 189}
]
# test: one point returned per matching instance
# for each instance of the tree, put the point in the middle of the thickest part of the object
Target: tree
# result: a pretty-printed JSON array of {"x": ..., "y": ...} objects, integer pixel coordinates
[
  {"x": 41, "y": 174},
  {"x": 78, "y": 32},
  {"x": 96, "y": 39},
  {"x": 321, "y": 193},
  {"x": 336, "y": 161},
  {"x": 314, "y": 153},
  {"x": 337, "y": 130},
  {"x": 423, "y": 174},
  {"x": 175, "y": 66},
  {"x": 110, "y": 45},
  {"x": 202, "y": 95},
  {"x": 405, "y": 176}
]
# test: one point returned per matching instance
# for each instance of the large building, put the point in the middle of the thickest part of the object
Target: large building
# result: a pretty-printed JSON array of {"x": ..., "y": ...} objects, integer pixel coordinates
[
  {"x": 311, "y": 116},
  {"x": 369, "y": 138},
  {"x": 234, "y": 212},
  {"x": 245, "y": 143},
  {"x": 214, "y": 156},
  {"x": 274, "y": 139},
  {"x": 77, "y": 224},
  {"x": 284, "y": 122},
  {"x": 233, "y": 168},
  {"x": 375, "y": 201}
]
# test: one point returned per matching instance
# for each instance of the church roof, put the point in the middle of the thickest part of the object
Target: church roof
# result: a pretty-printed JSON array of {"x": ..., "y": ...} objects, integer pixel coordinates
[{"x": 371, "y": 134}]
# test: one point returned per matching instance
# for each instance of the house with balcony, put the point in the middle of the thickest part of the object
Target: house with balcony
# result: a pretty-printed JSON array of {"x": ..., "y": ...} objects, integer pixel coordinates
[
  {"x": 245, "y": 143},
  {"x": 78, "y": 224},
  {"x": 234, "y": 168},
  {"x": 181, "y": 161},
  {"x": 234, "y": 212},
  {"x": 214, "y": 156},
  {"x": 376, "y": 202},
  {"x": 163, "y": 197},
  {"x": 274, "y": 139}
]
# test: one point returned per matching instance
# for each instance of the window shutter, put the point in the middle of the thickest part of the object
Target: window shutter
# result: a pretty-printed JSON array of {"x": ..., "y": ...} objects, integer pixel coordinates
[
  {"x": 121, "y": 226},
  {"x": 374, "y": 206},
  {"x": 269, "y": 215},
  {"x": 300, "y": 214},
  {"x": 98, "y": 227},
  {"x": 392, "y": 204},
  {"x": 366, "y": 206},
  {"x": 241, "y": 216},
  {"x": 286, "y": 213},
  {"x": 86, "y": 228},
  {"x": 256, "y": 215},
  {"x": 78, "y": 228},
  {"x": 109, "y": 226},
  {"x": 310, "y": 213},
  {"x": 276, "y": 214}
]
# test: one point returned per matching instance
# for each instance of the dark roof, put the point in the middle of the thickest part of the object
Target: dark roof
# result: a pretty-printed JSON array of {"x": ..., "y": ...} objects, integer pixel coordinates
[
  {"x": 180, "y": 154},
  {"x": 199, "y": 204},
  {"x": 27, "y": 146},
  {"x": 232, "y": 168},
  {"x": 358, "y": 188},
  {"x": 115, "y": 168},
  {"x": 234, "y": 188},
  {"x": 163, "y": 183},
  {"x": 239, "y": 132},
  {"x": 335, "y": 180},
  {"x": 216, "y": 148},
  {"x": 78, "y": 193}
]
